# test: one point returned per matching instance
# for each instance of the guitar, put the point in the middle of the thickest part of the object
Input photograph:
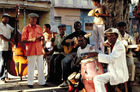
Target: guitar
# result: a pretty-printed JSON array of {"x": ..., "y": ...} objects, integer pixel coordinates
[{"x": 68, "y": 49}]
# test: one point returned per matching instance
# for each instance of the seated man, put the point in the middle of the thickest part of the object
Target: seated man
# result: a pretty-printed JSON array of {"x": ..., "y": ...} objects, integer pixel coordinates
[
  {"x": 90, "y": 67},
  {"x": 54, "y": 74},
  {"x": 117, "y": 67},
  {"x": 66, "y": 62}
]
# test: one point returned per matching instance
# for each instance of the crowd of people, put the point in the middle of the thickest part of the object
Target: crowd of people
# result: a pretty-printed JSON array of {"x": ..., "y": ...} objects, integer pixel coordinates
[{"x": 64, "y": 53}]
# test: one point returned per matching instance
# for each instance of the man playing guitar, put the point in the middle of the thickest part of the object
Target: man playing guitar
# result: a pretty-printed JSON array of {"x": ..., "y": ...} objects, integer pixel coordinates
[{"x": 66, "y": 62}]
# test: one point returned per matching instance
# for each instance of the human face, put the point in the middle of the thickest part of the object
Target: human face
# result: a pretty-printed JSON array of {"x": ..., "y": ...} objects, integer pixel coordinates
[
  {"x": 5, "y": 20},
  {"x": 82, "y": 42},
  {"x": 94, "y": 3},
  {"x": 78, "y": 26},
  {"x": 46, "y": 29},
  {"x": 112, "y": 37},
  {"x": 33, "y": 21},
  {"x": 62, "y": 30},
  {"x": 122, "y": 30}
]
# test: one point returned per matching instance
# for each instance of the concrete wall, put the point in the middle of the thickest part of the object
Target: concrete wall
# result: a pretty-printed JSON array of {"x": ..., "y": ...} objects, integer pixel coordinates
[{"x": 68, "y": 16}]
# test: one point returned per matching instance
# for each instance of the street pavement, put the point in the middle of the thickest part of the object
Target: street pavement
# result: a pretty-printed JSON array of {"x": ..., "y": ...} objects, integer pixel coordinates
[{"x": 16, "y": 85}]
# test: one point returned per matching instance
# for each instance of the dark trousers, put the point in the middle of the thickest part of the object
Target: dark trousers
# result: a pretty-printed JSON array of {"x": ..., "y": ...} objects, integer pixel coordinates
[
  {"x": 7, "y": 56},
  {"x": 55, "y": 71},
  {"x": 66, "y": 66}
]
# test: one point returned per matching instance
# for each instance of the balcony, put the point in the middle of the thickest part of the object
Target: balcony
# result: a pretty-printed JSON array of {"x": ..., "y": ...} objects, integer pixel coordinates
[
  {"x": 40, "y": 5},
  {"x": 84, "y": 4}
]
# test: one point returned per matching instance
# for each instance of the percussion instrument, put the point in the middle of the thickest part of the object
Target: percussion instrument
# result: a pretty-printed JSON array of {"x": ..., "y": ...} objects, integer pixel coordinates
[{"x": 90, "y": 67}]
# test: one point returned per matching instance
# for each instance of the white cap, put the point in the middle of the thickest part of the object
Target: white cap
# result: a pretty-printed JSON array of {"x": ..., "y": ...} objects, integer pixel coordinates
[
  {"x": 112, "y": 30},
  {"x": 5, "y": 15}
]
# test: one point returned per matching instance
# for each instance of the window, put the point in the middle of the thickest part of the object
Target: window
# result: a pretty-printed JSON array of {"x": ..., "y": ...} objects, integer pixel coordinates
[
  {"x": 57, "y": 20},
  {"x": 88, "y": 26},
  {"x": 68, "y": 29}
]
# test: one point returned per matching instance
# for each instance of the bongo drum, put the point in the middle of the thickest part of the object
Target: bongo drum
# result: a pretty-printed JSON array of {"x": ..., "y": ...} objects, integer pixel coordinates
[{"x": 89, "y": 69}]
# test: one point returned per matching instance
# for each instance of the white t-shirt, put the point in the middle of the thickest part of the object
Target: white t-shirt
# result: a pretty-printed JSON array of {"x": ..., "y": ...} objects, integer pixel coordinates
[
  {"x": 6, "y": 32},
  {"x": 85, "y": 50}
]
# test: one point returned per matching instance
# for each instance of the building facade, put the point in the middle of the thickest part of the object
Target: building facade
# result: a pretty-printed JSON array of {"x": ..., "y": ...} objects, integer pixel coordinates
[
  {"x": 41, "y": 7},
  {"x": 69, "y": 11}
]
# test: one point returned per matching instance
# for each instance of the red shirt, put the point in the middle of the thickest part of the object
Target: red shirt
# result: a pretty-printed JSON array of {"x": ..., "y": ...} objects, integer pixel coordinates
[{"x": 29, "y": 32}]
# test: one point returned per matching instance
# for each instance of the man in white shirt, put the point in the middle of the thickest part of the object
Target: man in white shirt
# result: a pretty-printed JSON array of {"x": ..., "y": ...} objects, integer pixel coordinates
[
  {"x": 5, "y": 36},
  {"x": 117, "y": 67}
]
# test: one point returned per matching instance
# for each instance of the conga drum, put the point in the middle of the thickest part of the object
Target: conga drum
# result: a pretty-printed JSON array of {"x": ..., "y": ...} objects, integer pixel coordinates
[{"x": 90, "y": 67}]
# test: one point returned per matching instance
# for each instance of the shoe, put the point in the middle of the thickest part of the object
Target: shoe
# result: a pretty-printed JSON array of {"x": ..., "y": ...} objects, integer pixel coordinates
[
  {"x": 45, "y": 85},
  {"x": 64, "y": 84},
  {"x": 30, "y": 86}
]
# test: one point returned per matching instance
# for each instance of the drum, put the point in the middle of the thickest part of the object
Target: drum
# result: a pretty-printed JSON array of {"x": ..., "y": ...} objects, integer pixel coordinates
[{"x": 89, "y": 69}]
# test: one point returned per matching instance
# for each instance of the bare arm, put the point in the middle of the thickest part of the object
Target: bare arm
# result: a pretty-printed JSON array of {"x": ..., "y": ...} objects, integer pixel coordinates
[{"x": 5, "y": 39}]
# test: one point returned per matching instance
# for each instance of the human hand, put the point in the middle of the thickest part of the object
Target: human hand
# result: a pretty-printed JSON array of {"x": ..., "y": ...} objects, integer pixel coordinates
[
  {"x": 32, "y": 39},
  {"x": 97, "y": 14},
  {"x": 107, "y": 44},
  {"x": 93, "y": 54}
]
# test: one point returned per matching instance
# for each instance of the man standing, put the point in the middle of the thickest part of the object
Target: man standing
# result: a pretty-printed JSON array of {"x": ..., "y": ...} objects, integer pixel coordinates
[
  {"x": 32, "y": 36},
  {"x": 117, "y": 67},
  {"x": 99, "y": 14},
  {"x": 5, "y": 36},
  {"x": 126, "y": 39}
]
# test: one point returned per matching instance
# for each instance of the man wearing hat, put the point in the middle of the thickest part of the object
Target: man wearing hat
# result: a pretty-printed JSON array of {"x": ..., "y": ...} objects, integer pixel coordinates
[
  {"x": 58, "y": 55},
  {"x": 32, "y": 36},
  {"x": 117, "y": 67},
  {"x": 5, "y": 36}
]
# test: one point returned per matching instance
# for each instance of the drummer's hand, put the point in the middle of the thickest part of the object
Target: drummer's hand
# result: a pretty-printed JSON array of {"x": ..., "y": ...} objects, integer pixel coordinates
[
  {"x": 94, "y": 54},
  {"x": 85, "y": 57},
  {"x": 107, "y": 44}
]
